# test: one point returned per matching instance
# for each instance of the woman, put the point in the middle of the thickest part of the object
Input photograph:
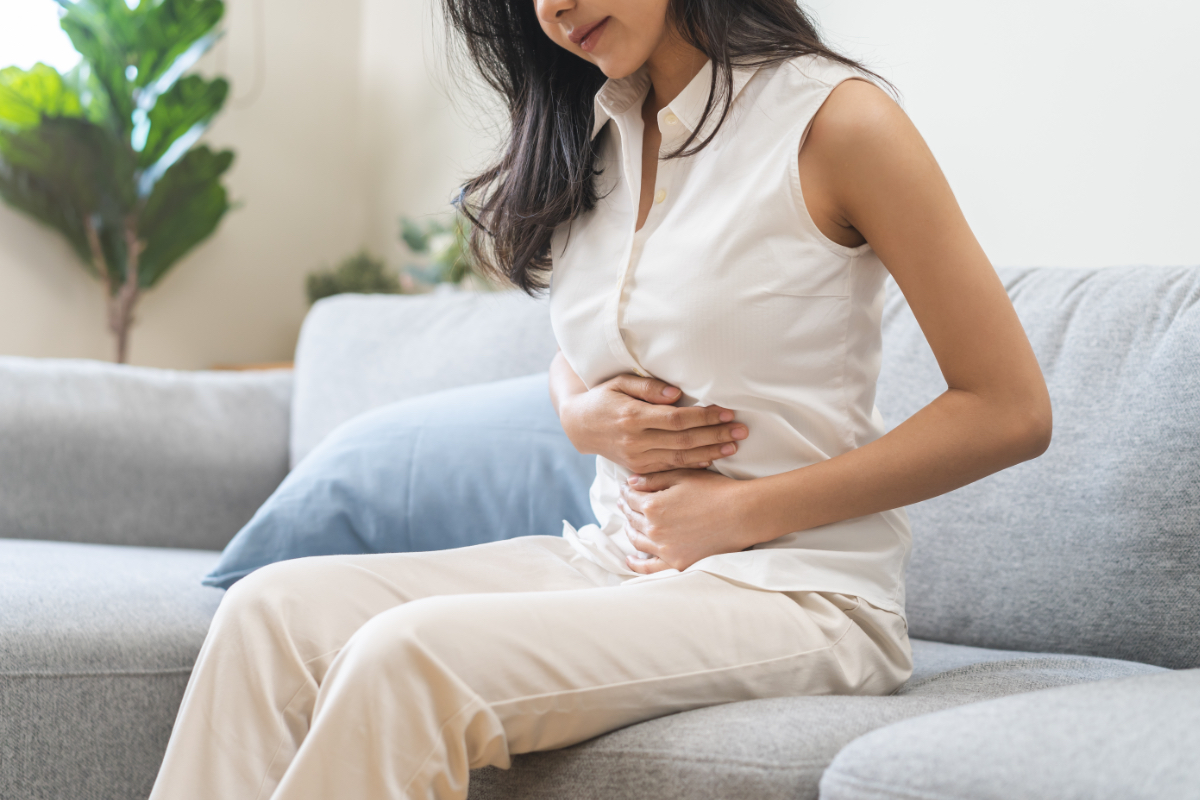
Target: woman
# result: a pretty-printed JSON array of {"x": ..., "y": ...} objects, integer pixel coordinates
[{"x": 714, "y": 195}]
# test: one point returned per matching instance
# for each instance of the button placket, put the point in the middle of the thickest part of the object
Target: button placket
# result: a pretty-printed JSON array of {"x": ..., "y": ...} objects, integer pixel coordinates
[{"x": 631, "y": 159}]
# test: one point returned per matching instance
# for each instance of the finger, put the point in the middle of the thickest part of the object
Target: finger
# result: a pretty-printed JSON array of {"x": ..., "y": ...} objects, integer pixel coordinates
[
  {"x": 633, "y": 500},
  {"x": 635, "y": 519},
  {"x": 692, "y": 438},
  {"x": 653, "y": 482},
  {"x": 651, "y": 390},
  {"x": 642, "y": 542},
  {"x": 681, "y": 459},
  {"x": 646, "y": 566},
  {"x": 682, "y": 419}
]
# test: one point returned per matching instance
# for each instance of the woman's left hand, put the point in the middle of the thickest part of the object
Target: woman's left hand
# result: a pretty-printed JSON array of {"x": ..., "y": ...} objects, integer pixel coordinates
[{"x": 681, "y": 516}]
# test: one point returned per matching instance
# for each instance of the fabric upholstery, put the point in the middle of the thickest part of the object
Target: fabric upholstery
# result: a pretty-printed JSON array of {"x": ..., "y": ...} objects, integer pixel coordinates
[
  {"x": 95, "y": 452},
  {"x": 449, "y": 469},
  {"x": 96, "y": 646},
  {"x": 768, "y": 749},
  {"x": 98, "y": 643},
  {"x": 359, "y": 352},
  {"x": 1093, "y": 548},
  {"x": 1128, "y": 739}
]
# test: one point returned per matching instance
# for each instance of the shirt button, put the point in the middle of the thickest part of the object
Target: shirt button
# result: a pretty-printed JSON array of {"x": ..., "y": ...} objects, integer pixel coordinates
[
  {"x": 660, "y": 195},
  {"x": 671, "y": 119}
]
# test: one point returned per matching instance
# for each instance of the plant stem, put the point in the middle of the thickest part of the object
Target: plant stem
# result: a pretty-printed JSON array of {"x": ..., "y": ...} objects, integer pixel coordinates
[{"x": 120, "y": 301}]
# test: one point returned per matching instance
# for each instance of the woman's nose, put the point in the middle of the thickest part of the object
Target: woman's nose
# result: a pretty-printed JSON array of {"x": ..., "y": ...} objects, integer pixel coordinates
[{"x": 552, "y": 10}]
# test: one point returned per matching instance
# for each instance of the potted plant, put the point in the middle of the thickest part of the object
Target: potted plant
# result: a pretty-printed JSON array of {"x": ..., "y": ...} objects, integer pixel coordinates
[{"x": 106, "y": 154}]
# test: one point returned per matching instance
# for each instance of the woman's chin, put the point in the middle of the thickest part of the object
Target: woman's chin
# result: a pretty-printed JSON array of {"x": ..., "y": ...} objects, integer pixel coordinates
[{"x": 616, "y": 68}]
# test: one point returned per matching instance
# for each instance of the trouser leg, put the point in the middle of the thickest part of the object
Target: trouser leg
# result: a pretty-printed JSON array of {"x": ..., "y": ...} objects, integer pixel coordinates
[
  {"x": 249, "y": 701},
  {"x": 391, "y": 676},
  {"x": 424, "y": 692}
]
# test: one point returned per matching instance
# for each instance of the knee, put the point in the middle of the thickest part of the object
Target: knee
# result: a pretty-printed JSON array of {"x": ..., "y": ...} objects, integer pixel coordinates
[
  {"x": 412, "y": 637},
  {"x": 270, "y": 592}
]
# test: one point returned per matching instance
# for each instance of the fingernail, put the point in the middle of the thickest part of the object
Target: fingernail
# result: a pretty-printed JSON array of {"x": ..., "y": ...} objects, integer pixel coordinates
[
  {"x": 739, "y": 432},
  {"x": 726, "y": 416},
  {"x": 704, "y": 463},
  {"x": 728, "y": 449},
  {"x": 634, "y": 479},
  {"x": 670, "y": 391}
]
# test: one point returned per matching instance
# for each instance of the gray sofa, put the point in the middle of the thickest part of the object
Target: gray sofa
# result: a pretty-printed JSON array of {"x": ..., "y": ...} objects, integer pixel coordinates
[{"x": 1055, "y": 607}]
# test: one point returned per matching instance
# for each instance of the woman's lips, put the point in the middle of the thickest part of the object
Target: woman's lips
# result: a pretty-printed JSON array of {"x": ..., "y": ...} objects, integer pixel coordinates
[{"x": 586, "y": 37}]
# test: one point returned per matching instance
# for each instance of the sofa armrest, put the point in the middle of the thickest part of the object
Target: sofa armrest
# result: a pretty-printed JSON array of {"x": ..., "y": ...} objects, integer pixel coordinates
[{"x": 94, "y": 452}]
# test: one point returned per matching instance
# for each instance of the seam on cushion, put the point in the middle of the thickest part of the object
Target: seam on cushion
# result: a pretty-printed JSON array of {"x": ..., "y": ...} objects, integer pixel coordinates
[
  {"x": 887, "y": 789},
  {"x": 1032, "y": 662},
  {"x": 618, "y": 684},
  {"x": 642, "y": 755},
  {"x": 132, "y": 673}
]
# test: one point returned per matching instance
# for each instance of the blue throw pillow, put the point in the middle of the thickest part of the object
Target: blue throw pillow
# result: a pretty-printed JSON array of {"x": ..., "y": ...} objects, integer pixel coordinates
[{"x": 460, "y": 467}]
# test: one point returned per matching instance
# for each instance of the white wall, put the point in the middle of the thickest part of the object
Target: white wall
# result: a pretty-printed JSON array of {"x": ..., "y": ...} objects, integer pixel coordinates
[
  {"x": 1068, "y": 129},
  {"x": 427, "y": 126}
]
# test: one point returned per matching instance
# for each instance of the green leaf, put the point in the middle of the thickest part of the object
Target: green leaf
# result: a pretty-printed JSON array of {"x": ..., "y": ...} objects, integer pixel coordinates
[
  {"x": 413, "y": 235},
  {"x": 183, "y": 210},
  {"x": 137, "y": 54},
  {"x": 191, "y": 102},
  {"x": 168, "y": 31},
  {"x": 81, "y": 163},
  {"x": 97, "y": 29},
  {"x": 360, "y": 273},
  {"x": 28, "y": 96},
  {"x": 27, "y": 192}
]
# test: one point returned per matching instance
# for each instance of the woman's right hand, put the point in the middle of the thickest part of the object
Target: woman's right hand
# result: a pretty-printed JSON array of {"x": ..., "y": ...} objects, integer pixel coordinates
[{"x": 632, "y": 421}]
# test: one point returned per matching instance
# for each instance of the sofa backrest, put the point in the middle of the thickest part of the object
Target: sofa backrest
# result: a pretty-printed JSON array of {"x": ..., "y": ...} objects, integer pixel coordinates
[
  {"x": 95, "y": 452},
  {"x": 1093, "y": 548},
  {"x": 358, "y": 352}
]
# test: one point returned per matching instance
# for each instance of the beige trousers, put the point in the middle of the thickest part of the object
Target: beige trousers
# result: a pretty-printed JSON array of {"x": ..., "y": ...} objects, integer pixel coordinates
[{"x": 382, "y": 677}]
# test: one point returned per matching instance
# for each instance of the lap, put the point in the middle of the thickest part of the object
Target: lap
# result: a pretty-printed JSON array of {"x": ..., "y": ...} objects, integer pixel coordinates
[
  {"x": 558, "y": 667},
  {"x": 559, "y": 648}
]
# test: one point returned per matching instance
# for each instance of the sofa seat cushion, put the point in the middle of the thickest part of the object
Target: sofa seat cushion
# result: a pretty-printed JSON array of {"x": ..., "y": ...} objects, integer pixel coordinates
[
  {"x": 96, "y": 646},
  {"x": 1113, "y": 740},
  {"x": 767, "y": 749}
]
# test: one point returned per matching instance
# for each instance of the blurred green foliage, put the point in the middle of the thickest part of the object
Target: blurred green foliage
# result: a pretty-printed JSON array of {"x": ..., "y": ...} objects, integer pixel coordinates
[
  {"x": 106, "y": 154},
  {"x": 359, "y": 273},
  {"x": 442, "y": 246}
]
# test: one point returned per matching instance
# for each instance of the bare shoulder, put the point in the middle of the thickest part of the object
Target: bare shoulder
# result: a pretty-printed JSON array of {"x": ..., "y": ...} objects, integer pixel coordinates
[
  {"x": 863, "y": 152},
  {"x": 849, "y": 138},
  {"x": 860, "y": 120},
  {"x": 858, "y": 107}
]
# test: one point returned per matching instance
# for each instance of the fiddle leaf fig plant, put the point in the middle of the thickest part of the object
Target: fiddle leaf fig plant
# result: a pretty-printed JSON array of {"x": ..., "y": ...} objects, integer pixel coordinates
[{"x": 106, "y": 154}]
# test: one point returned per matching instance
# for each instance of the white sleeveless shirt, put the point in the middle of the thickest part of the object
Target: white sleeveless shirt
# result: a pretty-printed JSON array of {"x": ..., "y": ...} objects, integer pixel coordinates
[{"x": 731, "y": 293}]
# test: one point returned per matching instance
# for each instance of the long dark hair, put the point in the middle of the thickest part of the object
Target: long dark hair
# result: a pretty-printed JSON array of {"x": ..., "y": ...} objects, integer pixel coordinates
[{"x": 544, "y": 176}]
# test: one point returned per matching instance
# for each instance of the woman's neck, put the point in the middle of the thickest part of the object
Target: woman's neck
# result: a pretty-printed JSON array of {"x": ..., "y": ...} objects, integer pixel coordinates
[{"x": 672, "y": 66}]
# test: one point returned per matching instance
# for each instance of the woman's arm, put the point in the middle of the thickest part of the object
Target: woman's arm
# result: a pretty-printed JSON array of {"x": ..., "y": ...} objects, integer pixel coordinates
[
  {"x": 632, "y": 421},
  {"x": 870, "y": 169}
]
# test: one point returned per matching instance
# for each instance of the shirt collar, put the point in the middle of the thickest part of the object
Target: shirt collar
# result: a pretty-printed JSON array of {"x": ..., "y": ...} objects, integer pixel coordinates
[{"x": 618, "y": 96}]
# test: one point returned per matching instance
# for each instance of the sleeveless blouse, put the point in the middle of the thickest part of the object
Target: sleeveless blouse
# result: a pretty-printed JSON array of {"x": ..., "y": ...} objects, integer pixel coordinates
[{"x": 731, "y": 293}]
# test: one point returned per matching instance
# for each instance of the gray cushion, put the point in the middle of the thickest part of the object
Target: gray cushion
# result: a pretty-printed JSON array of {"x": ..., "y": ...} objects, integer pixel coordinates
[
  {"x": 1115, "y": 740},
  {"x": 94, "y": 452},
  {"x": 359, "y": 352},
  {"x": 1094, "y": 547},
  {"x": 95, "y": 650},
  {"x": 768, "y": 749}
]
